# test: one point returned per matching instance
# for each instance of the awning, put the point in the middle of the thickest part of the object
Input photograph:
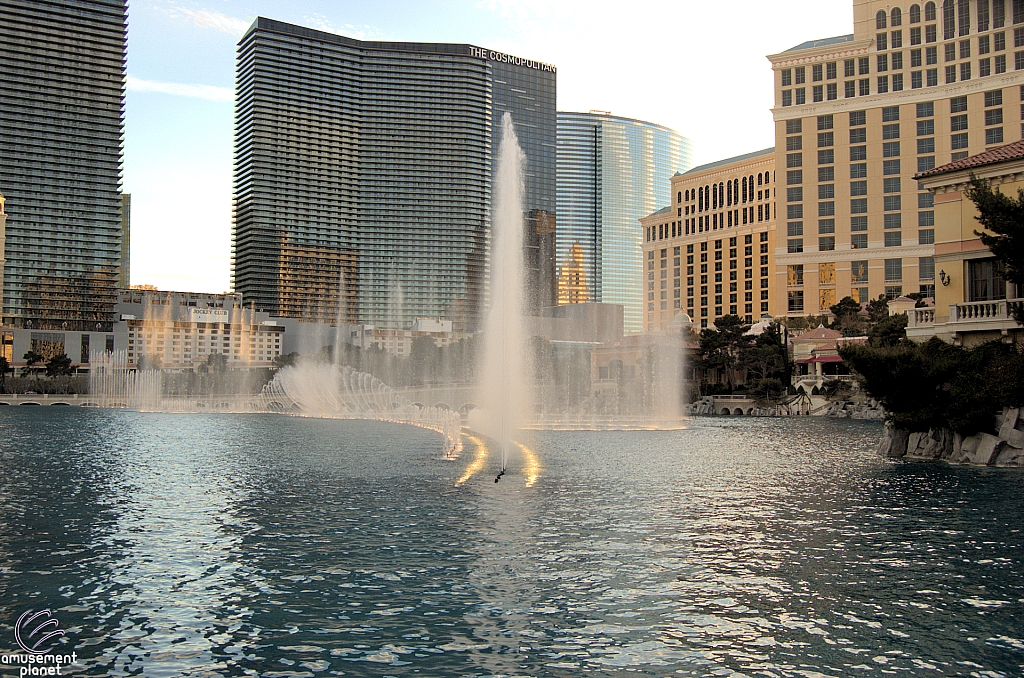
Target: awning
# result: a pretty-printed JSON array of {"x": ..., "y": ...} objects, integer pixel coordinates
[{"x": 820, "y": 359}]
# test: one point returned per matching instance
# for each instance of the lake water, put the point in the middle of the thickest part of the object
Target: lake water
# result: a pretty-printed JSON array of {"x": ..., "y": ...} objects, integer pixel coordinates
[{"x": 172, "y": 545}]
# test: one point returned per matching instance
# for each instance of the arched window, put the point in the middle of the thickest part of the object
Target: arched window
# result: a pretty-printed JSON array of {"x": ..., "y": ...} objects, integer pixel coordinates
[
  {"x": 896, "y": 17},
  {"x": 721, "y": 194},
  {"x": 700, "y": 201},
  {"x": 679, "y": 198},
  {"x": 751, "y": 188},
  {"x": 964, "y": 12},
  {"x": 880, "y": 19},
  {"x": 707, "y": 197},
  {"x": 744, "y": 190},
  {"x": 948, "y": 20},
  {"x": 915, "y": 14},
  {"x": 759, "y": 178},
  {"x": 929, "y": 11},
  {"x": 728, "y": 192},
  {"x": 736, "y": 190}
]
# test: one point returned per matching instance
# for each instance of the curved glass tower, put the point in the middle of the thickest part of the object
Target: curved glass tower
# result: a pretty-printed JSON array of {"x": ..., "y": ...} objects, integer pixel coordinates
[{"x": 611, "y": 172}]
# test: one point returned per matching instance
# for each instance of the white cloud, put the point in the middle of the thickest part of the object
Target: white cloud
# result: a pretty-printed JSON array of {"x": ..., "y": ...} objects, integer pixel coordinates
[
  {"x": 215, "y": 20},
  {"x": 208, "y": 92},
  {"x": 359, "y": 32}
]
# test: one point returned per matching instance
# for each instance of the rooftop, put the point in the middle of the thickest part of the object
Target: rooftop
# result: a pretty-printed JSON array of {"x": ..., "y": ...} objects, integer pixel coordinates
[
  {"x": 810, "y": 44},
  {"x": 728, "y": 161},
  {"x": 1014, "y": 151},
  {"x": 663, "y": 210},
  {"x": 819, "y": 334}
]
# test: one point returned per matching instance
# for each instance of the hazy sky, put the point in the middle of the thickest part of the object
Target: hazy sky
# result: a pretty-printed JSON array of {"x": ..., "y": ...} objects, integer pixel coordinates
[{"x": 698, "y": 67}]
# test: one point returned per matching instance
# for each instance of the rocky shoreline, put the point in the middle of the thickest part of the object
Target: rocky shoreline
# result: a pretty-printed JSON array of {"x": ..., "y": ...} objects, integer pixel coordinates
[{"x": 983, "y": 449}]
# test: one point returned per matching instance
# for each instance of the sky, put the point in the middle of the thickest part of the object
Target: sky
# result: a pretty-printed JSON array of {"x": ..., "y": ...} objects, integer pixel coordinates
[{"x": 697, "y": 67}]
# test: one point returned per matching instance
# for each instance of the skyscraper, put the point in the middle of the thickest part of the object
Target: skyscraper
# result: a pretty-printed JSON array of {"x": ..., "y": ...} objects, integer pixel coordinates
[
  {"x": 63, "y": 66},
  {"x": 612, "y": 171},
  {"x": 375, "y": 161}
]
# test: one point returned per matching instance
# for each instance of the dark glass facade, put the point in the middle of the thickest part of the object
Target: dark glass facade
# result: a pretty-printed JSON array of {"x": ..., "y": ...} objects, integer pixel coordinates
[
  {"x": 363, "y": 175},
  {"x": 61, "y": 120}
]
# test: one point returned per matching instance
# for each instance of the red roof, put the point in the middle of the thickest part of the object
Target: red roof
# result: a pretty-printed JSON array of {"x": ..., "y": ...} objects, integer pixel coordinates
[
  {"x": 1014, "y": 151},
  {"x": 819, "y": 334},
  {"x": 820, "y": 359}
]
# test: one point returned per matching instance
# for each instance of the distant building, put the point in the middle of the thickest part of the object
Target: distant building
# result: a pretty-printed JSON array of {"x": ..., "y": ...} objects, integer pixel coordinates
[
  {"x": 398, "y": 341},
  {"x": 916, "y": 85},
  {"x": 572, "y": 278},
  {"x": 379, "y": 213},
  {"x": 710, "y": 253},
  {"x": 125, "y": 272},
  {"x": 611, "y": 172},
  {"x": 179, "y": 331},
  {"x": 61, "y": 126},
  {"x": 3, "y": 237},
  {"x": 973, "y": 300}
]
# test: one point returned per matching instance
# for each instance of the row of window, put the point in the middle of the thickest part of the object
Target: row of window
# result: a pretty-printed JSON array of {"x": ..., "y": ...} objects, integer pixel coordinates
[
  {"x": 726, "y": 194},
  {"x": 956, "y": 16}
]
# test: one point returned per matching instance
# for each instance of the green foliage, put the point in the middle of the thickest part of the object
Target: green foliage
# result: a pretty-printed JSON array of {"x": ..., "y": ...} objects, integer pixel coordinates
[
  {"x": 878, "y": 309},
  {"x": 937, "y": 385},
  {"x": 720, "y": 347},
  {"x": 285, "y": 360},
  {"x": 59, "y": 366},
  {"x": 31, "y": 358},
  {"x": 728, "y": 348},
  {"x": 1003, "y": 217},
  {"x": 889, "y": 331},
  {"x": 805, "y": 323},
  {"x": 5, "y": 367},
  {"x": 848, "y": 319}
]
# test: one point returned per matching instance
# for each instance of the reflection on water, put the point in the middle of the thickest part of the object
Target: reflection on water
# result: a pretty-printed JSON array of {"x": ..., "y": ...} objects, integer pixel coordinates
[{"x": 273, "y": 546}]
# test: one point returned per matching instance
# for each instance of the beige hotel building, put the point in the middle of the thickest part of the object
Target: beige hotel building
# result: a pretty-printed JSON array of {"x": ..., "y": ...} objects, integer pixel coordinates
[
  {"x": 917, "y": 85},
  {"x": 709, "y": 253}
]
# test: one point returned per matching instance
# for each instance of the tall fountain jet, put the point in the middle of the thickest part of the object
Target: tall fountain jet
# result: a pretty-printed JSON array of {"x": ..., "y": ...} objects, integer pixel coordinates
[{"x": 505, "y": 374}]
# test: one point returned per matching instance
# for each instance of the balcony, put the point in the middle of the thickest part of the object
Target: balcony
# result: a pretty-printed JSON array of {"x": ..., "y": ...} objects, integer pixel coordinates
[{"x": 966, "y": 318}]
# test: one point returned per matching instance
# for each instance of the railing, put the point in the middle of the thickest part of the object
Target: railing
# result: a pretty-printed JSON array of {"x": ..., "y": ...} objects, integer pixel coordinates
[
  {"x": 1001, "y": 310},
  {"x": 920, "y": 317}
]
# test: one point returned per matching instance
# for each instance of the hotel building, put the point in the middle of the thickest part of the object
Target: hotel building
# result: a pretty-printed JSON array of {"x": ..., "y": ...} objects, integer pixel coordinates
[
  {"x": 611, "y": 172},
  {"x": 709, "y": 254},
  {"x": 917, "y": 85},
  {"x": 371, "y": 164},
  {"x": 61, "y": 125}
]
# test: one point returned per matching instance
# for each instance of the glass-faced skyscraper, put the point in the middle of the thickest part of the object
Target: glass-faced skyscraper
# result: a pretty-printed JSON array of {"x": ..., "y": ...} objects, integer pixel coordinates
[
  {"x": 611, "y": 172},
  {"x": 61, "y": 119},
  {"x": 363, "y": 174}
]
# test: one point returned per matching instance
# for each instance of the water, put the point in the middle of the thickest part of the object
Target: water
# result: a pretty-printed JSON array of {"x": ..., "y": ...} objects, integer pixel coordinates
[
  {"x": 220, "y": 545},
  {"x": 504, "y": 389}
]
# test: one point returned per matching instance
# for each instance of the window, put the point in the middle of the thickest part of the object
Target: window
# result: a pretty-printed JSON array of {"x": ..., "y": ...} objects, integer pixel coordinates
[
  {"x": 883, "y": 84},
  {"x": 925, "y": 128},
  {"x": 915, "y": 14},
  {"x": 926, "y": 268},
  {"x": 794, "y": 160},
  {"x": 826, "y": 226},
  {"x": 964, "y": 15},
  {"x": 984, "y": 44},
  {"x": 801, "y": 96},
  {"x": 817, "y": 73},
  {"x": 863, "y": 66},
  {"x": 864, "y": 86},
  {"x": 994, "y": 136},
  {"x": 897, "y": 17},
  {"x": 950, "y": 75},
  {"x": 859, "y": 241},
  {"x": 925, "y": 146},
  {"x": 787, "y": 97},
  {"x": 858, "y": 153},
  {"x": 794, "y": 143},
  {"x": 958, "y": 123},
  {"x": 959, "y": 141},
  {"x": 958, "y": 105},
  {"x": 795, "y": 275},
  {"x": 826, "y": 174},
  {"x": 986, "y": 280},
  {"x": 794, "y": 229},
  {"x": 892, "y": 203},
  {"x": 965, "y": 49},
  {"x": 984, "y": 68},
  {"x": 880, "y": 19},
  {"x": 794, "y": 194},
  {"x": 930, "y": 34},
  {"x": 859, "y": 206},
  {"x": 891, "y": 131},
  {"x": 849, "y": 89},
  {"x": 890, "y": 114},
  {"x": 929, "y": 11},
  {"x": 897, "y": 82},
  {"x": 858, "y": 171},
  {"x": 999, "y": 42},
  {"x": 998, "y": 13},
  {"x": 890, "y": 167},
  {"x": 858, "y": 188},
  {"x": 859, "y": 272},
  {"x": 915, "y": 58},
  {"x": 965, "y": 71},
  {"x": 825, "y": 122},
  {"x": 858, "y": 135},
  {"x": 858, "y": 224},
  {"x": 793, "y": 127},
  {"x": 830, "y": 70},
  {"x": 994, "y": 117},
  {"x": 925, "y": 200},
  {"x": 883, "y": 63},
  {"x": 826, "y": 191},
  {"x": 858, "y": 118},
  {"x": 849, "y": 68},
  {"x": 915, "y": 37},
  {"x": 826, "y": 209},
  {"x": 796, "y": 301},
  {"x": 897, "y": 42},
  {"x": 826, "y": 244},
  {"x": 926, "y": 218},
  {"x": 793, "y": 178},
  {"x": 948, "y": 20},
  {"x": 891, "y": 149},
  {"x": 931, "y": 77},
  {"x": 893, "y": 221},
  {"x": 831, "y": 91},
  {"x": 801, "y": 75},
  {"x": 983, "y": 22},
  {"x": 826, "y": 157},
  {"x": 787, "y": 77},
  {"x": 818, "y": 93},
  {"x": 891, "y": 185},
  {"x": 994, "y": 98},
  {"x": 794, "y": 211},
  {"x": 795, "y": 246},
  {"x": 925, "y": 163},
  {"x": 926, "y": 237},
  {"x": 826, "y": 139},
  {"x": 1018, "y": 60},
  {"x": 893, "y": 270}
]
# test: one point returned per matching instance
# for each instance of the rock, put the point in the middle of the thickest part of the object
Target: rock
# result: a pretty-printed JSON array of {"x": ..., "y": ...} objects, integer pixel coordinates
[
  {"x": 1011, "y": 417},
  {"x": 987, "y": 451},
  {"x": 894, "y": 442},
  {"x": 933, "y": 445},
  {"x": 1010, "y": 456},
  {"x": 963, "y": 448},
  {"x": 1013, "y": 437}
]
